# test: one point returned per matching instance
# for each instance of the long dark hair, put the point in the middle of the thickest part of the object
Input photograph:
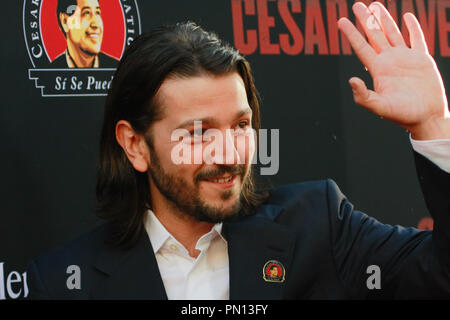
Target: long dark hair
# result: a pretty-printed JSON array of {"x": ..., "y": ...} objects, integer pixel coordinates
[{"x": 184, "y": 49}]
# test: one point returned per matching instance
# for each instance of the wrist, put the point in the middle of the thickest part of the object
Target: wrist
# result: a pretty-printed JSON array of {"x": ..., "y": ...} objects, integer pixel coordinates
[{"x": 432, "y": 129}]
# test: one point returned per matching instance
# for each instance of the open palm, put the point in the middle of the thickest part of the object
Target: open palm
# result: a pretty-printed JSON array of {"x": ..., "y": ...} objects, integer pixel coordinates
[{"x": 408, "y": 88}]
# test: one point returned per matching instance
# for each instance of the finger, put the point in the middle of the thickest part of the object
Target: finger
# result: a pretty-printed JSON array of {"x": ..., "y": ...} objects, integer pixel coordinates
[
  {"x": 368, "y": 98},
  {"x": 371, "y": 27},
  {"x": 363, "y": 50},
  {"x": 416, "y": 35},
  {"x": 390, "y": 28}
]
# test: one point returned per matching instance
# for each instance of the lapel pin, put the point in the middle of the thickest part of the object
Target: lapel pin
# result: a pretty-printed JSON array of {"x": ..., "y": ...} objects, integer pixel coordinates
[{"x": 273, "y": 271}]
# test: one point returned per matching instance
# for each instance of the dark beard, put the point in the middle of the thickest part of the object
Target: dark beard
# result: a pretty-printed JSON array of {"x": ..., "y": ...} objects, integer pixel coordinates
[{"x": 187, "y": 200}]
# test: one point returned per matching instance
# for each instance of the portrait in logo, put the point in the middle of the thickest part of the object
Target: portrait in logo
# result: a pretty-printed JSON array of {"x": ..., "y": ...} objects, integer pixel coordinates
[
  {"x": 274, "y": 271},
  {"x": 75, "y": 45},
  {"x": 82, "y": 24}
]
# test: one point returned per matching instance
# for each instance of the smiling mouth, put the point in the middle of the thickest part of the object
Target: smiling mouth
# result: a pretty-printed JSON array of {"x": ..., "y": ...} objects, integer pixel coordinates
[
  {"x": 221, "y": 180},
  {"x": 222, "y": 177},
  {"x": 95, "y": 36}
]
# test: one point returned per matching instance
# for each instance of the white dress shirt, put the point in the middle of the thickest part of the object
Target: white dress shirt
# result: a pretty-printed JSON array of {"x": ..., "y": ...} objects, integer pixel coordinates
[
  {"x": 437, "y": 151},
  {"x": 184, "y": 277},
  {"x": 207, "y": 276}
]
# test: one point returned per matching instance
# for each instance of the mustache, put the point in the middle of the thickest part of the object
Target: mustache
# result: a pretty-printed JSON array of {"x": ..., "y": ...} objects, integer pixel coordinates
[{"x": 220, "y": 170}]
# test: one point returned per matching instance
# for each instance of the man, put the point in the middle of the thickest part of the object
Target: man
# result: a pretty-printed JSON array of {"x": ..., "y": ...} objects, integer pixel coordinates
[
  {"x": 203, "y": 231},
  {"x": 82, "y": 25},
  {"x": 273, "y": 271}
]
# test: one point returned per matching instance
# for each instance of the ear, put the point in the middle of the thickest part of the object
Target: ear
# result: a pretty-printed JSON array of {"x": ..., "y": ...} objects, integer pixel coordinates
[
  {"x": 63, "y": 19},
  {"x": 134, "y": 146}
]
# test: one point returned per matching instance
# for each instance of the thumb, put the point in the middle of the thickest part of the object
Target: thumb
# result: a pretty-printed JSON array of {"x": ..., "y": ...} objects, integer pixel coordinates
[{"x": 367, "y": 98}]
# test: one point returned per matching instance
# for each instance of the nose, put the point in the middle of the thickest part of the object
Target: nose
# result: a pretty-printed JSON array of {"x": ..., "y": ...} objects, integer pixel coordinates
[
  {"x": 231, "y": 150},
  {"x": 96, "y": 21}
]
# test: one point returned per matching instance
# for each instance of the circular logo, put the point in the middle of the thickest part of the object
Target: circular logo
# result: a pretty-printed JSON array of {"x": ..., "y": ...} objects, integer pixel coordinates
[
  {"x": 77, "y": 35},
  {"x": 273, "y": 271}
]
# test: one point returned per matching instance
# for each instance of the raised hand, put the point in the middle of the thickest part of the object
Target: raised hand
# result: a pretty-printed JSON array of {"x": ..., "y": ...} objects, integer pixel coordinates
[{"x": 408, "y": 88}]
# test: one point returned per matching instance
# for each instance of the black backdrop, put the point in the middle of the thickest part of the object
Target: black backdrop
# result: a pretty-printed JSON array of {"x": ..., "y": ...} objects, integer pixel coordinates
[{"x": 49, "y": 145}]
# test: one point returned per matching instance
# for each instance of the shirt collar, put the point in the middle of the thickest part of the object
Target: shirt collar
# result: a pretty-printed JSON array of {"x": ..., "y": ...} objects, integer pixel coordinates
[
  {"x": 158, "y": 234},
  {"x": 71, "y": 63}
]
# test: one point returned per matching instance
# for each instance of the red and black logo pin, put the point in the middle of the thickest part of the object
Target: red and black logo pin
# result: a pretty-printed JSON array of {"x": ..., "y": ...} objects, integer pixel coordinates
[{"x": 274, "y": 271}]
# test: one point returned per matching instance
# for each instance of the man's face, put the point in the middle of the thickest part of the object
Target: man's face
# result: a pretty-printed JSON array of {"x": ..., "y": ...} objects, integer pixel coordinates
[
  {"x": 274, "y": 272},
  {"x": 220, "y": 103},
  {"x": 84, "y": 28}
]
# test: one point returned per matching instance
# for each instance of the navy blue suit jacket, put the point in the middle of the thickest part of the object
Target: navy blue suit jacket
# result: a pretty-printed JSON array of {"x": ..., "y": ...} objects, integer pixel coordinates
[{"x": 324, "y": 244}]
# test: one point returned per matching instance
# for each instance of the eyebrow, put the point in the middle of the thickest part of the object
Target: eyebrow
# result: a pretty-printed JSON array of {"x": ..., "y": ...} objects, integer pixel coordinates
[{"x": 211, "y": 121}]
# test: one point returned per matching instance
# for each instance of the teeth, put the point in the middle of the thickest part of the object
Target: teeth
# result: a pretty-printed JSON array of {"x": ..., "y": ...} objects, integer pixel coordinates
[{"x": 222, "y": 180}]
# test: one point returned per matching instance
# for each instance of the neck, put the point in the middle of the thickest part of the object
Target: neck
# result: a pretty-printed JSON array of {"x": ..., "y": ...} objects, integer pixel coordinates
[
  {"x": 182, "y": 227},
  {"x": 80, "y": 58}
]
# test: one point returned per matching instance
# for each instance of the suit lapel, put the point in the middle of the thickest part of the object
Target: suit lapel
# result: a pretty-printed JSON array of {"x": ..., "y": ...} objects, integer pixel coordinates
[
  {"x": 132, "y": 274},
  {"x": 251, "y": 244}
]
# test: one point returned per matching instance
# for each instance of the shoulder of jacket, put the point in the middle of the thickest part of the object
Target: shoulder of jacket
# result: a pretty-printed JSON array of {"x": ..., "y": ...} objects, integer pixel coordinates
[
  {"x": 80, "y": 250},
  {"x": 288, "y": 195}
]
